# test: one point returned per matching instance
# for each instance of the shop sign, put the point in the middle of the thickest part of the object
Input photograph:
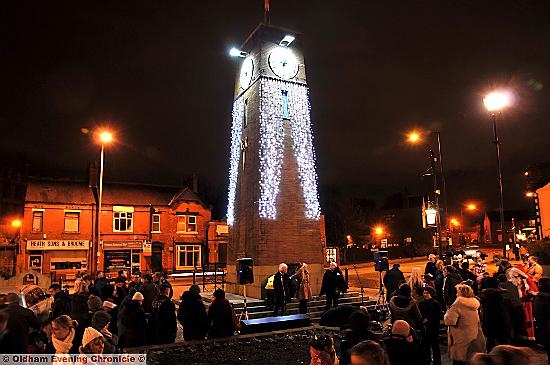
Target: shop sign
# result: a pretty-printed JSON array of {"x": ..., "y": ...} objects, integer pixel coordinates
[
  {"x": 122, "y": 245},
  {"x": 147, "y": 248},
  {"x": 58, "y": 244}
]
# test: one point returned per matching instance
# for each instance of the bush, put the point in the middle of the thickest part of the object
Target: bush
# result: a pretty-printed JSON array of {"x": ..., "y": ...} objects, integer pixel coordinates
[{"x": 541, "y": 250}]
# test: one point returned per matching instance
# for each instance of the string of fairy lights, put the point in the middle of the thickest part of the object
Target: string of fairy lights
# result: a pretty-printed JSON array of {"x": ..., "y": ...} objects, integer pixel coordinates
[
  {"x": 271, "y": 146},
  {"x": 236, "y": 132}
]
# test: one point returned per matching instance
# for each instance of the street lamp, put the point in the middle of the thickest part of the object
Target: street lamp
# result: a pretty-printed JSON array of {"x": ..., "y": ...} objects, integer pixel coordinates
[
  {"x": 469, "y": 207},
  {"x": 104, "y": 138},
  {"x": 416, "y": 137},
  {"x": 495, "y": 102}
]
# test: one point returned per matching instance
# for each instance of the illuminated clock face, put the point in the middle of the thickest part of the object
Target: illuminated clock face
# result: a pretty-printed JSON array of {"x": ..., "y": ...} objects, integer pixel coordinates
[
  {"x": 283, "y": 63},
  {"x": 247, "y": 71}
]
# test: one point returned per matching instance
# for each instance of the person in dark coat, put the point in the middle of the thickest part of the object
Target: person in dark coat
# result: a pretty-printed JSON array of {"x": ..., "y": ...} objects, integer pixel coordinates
[
  {"x": 439, "y": 278},
  {"x": 119, "y": 292},
  {"x": 163, "y": 280},
  {"x": 466, "y": 274},
  {"x": 404, "y": 307},
  {"x": 221, "y": 316},
  {"x": 100, "y": 322},
  {"x": 541, "y": 312},
  {"x": 495, "y": 314},
  {"x": 281, "y": 289},
  {"x": 163, "y": 317},
  {"x": 133, "y": 323},
  {"x": 332, "y": 285},
  {"x": 452, "y": 278},
  {"x": 100, "y": 285},
  {"x": 401, "y": 347},
  {"x": 392, "y": 279},
  {"x": 149, "y": 291},
  {"x": 61, "y": 301},
  {"x": 111, "y": 308},
  {"x": 20, "y": 319},
  {"x": 79, "y": 305},
  {"x": 359, "y": 322},
  {"x": 430, "y": 265},
  {"x": 9, "y": 342},
  {"x": 432, "y": 315},
  {"x": 192, "y": 315}
]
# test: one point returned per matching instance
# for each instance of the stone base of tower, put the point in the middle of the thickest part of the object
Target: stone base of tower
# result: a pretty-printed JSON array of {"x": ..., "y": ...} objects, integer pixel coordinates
[{"x": 262, "y": 273}]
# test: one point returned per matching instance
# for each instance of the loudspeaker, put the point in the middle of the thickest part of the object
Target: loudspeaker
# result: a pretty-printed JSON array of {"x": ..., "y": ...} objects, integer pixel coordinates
[
  {"x": 245, "y": 271},
  {"x": 381, "y": 262},
  {"x": 269, "y": 324}
]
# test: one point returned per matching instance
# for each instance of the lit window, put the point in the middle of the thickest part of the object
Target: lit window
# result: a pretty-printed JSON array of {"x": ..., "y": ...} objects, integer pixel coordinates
[
  {"x": 122, "y": 221},
  {"x": 284, "y": 95},
  {"x": 155, "y": 224},
  {"x": 72, "y": 220},
  {"x": 187, "y": 224},
  {"x": 37, "y": 221},
  {"x": 188, "y": 256}
]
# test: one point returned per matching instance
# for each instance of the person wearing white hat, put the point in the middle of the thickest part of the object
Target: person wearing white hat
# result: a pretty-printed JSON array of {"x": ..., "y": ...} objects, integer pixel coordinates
[
  {"x": 133, "y": 323},
  {"x": 92, "y": 342}
]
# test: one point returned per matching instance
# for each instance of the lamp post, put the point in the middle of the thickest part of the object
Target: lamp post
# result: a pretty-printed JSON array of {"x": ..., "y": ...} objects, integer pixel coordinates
[
  {"x": 415, "y": 137},
  {"x": 495, "y": 102},
  {"x": 105, "y": 137}
]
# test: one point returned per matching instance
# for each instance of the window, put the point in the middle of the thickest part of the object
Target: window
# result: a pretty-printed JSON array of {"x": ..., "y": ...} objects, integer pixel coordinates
[
  {"x": 245, "y": 116},
  {"x": 155, "y": 224},
  {"x": 72, "y": 221},
  {"x": 188, "y": 256},
  {"x": 187, "y": 224},
  {"x": 284, "y": 97},
  {"x": 37, "y": 221}
]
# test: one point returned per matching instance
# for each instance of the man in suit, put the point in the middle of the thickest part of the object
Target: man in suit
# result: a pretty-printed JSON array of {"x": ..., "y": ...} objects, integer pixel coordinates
[
  {"x": 281, "y": 289},
  {"x": 333, "y": 284}
]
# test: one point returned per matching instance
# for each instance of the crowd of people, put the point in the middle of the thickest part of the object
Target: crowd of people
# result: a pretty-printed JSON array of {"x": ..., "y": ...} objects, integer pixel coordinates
[
  {"x": 106, "y": 316},
  {"x": 487, "y": 317}
]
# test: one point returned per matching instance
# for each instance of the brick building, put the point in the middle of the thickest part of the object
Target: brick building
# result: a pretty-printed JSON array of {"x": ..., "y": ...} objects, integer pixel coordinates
[{"x": 144, "y": 228}]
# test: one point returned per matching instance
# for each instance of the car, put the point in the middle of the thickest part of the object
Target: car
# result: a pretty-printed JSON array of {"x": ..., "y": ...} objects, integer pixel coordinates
[
  {"x": 37, "y": 300},
  {"x": 472, "y": 253}
]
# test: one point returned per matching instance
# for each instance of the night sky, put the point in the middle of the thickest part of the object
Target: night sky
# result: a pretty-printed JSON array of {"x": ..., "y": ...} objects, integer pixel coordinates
[{"x": 158, "y": 73}]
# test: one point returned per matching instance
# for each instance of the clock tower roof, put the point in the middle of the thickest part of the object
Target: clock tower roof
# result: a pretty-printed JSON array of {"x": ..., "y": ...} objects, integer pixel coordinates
[{"x": 270, "y": 33}]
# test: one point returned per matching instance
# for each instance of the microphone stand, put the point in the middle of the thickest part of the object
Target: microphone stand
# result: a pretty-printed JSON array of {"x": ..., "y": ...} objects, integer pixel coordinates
[{"x": 360, "y": 284}]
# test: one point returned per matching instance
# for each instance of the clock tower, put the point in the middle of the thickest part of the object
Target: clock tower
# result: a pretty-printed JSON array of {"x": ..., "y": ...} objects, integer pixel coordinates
[{"x": 273, "y": 209}]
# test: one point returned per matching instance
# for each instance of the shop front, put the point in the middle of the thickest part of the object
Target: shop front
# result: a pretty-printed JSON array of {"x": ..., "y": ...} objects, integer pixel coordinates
[
  {"x": 122, "y": 255},
  {"x": 61, "y": 259}
]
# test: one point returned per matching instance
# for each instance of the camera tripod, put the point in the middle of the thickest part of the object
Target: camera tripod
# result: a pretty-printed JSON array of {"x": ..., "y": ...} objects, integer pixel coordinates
[
  {"x": 244, "y": 312},
  {"x": 381, "y": 302},
  {"x": 361, "y": 284}
]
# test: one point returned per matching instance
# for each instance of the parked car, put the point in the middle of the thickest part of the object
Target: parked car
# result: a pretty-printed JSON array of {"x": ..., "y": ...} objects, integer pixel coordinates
[{"x": 37, "y": 300}]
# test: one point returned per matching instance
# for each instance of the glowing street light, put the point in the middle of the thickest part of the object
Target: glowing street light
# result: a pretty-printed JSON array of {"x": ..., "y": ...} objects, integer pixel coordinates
[
  {"x": 16, "y": 223},
  {"x": 413, "y": 137},
  {"x": 378, "y": 230},
  {"x": 495, "y": 102},
  {"x": 455, "y": 222},
  {"x": 105, "y": 137}
]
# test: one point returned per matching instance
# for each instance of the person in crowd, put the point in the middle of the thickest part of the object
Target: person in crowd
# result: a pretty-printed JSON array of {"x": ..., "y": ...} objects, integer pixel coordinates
[
  {"x": 510, "y": 294},
  {"x": 430, "y": 265},
  {"x": 523, "y": 253},
  {"x": 122, "y": 277},
  {"x": 135, "y": 284},
  {"x": 65, "y": 339},
  {"x": 163, "y": 317},
  {"x": 192, "y": 315},
  {"x": 77, "y": 286},
  {"x": 119, "y": 292},
  {"x": 452, "y": 278},
  {"x": 527, "y": 289},
  {"x": 404, "y": 307},
  {"x": 495, "y": 313},
  {"x": 79, "y": 301},
  {"x": 100, "y": 322},
  {"x": 432, "y": 315},
  {"x": 101, "y": 285},
  {"x": 416, "y": 284},
  {"x": 392, "y": 279},
  {"x": 304, "y": 288},
  {"x": 9, "y": 342},
  {"x": 368, "y": 353},
  {"x": 439, "y": 278},
  {"x": 533, "y": 269},
  {"x": 133, "y": 323},
  {"x": 479, "y": 267},
  {"x": 61, "y": 301},
  {"x": 94, "y": 304},
  {"x": 321, "y": 350},
  {"x": 149, "y": 291},
  {"x": 281, "y": 290},
  {"x": 541, "y": 311},
  {"x": 163, "y": 280},
  {"x": 401, "y": 346},
  {"x": 359, "y": 323},
  {"x": 221, "y": 316},
  {"x": 465, "y": 336},
  {"x": 505, "y": 355},
  {"x": 503, "y": 267},
  {"x": 466, "y": 274},
  {"x": 111, "y": 308},
  {"x": 20, "y": 319},
  {"x": 428, "y": 280},
  {"x": 92, "y": 342}
]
